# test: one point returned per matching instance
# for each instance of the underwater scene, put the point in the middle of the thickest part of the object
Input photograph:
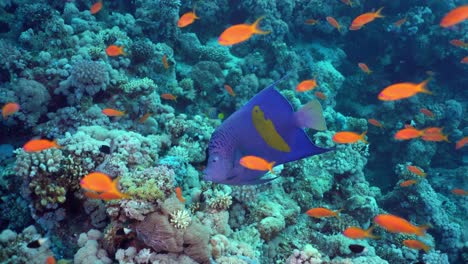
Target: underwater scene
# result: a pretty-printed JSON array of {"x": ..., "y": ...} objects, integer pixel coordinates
[{"x": 234, "y": 132}]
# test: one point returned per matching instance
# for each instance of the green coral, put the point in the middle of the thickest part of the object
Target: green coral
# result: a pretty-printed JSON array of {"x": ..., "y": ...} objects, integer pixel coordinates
[
  {"x": 141, "y": 189},
  {"x": 145, "y": 85}
]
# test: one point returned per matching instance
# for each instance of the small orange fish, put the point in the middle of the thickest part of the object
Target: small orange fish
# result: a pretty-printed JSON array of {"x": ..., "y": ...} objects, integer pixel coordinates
[
  {"x": 374, "y": 122},
  {"x": 256, "y": 163},
  {"x": 459, "y": 43},
  {"x": 178, "y": 191},
  {"x": 332, "y": 21},
  {"x": 459, "y": 192},
  {"x": 50, "y": 260},
  {"x": 347, "y": 2},
  {"x": 408, "y": 183},
  {"x": 455, "y": 16},
  {"x": 113, "y": 195},
  {"x": 320, "y": 95},
  {"x": 461, "y": 143},
  {"x": 114, "y": 50},
  {"x": 408, "y": 133},
  {"x": 355, "y": 232},
  {"x": 240, "y": 33},
  {"x": 229, "y": 90},
  {"x": 434, "y": 134},
  {"x": 96, "y": 7},
  {"x": 97, "y": 182},
  {"x": 164, "y": 61},
  {"x": 187, "y": 19},
  {"x": 365, "y": 18},
  {"x": 464, "y": 60},
  {"x": 321, "y": 212},
  {"x": 400, "y": 22},
  {"x": 403, "y": 90},
  {"x": 112, "y": 112},
  {"x": 306, "y": 85},
  {"x": 35, "y": 145},
  {"x": 395, "y": 224},
  {"x": 144, "y": 117},
  {"x": 416, "y": 170},
  {"x": 427, "y": 112},
  {"x": 311, "y": 21},
  {"x": 9, "y": 109},
  {"x": 346, "y": 137},
  {"x": 364, "y": 68},
  {"x": 169, "y": 96},
  {"x": 416, "y": 244}
]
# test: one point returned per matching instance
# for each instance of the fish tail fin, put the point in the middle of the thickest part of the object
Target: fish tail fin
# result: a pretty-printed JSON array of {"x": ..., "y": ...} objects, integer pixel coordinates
[
  {"x": 337, "y": 213},
  {"x": 369, "y": 232},
  {"x": 422, "y": 86},
  {"x": 363, "y": 137},
  {"x": 426, "y": 248},
  {"x": 377, "y": 13},
  {"x": 311, "y": 116},
  {"x": 270, "y": 166},
  {"x": 256, "y": 29},
  {"x": 122, "y": 50},
  {"x": 56, "y": 144},
  {"x": 421, "y": 231}
]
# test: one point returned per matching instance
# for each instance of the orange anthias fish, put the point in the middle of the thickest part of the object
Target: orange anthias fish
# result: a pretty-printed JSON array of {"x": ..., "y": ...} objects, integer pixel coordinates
[
  {"x": 311, "y": 21},
  {"x": 403, "y": 90},
  {"x": 112, "y": 112},
  {"x": 345, "y": 137},
  {"x": 464, "y": 60},
  {"x": 256, "y": 163},
  {"x": 408, "y": 133},
  {"x": 355, "y": 232},
  {"x": 375, "y": 122},
  {"x": 164, "y": 62},
  {"x": 459, "y": 43},
  {"x": 306, "y": 85},
  {"x": 416, "y": 170},
  {"x": 35, "y": 145},
  {"x": 169, "y": 96},
  {"x": 459, "y": 192},
  {"x": 455, "y": 16},
  {"x": 144, "y": 117},
  {"x": 365, "y": 18},
  {"x": 434, "y": 134},
  {"x": 240, "y": 33},
  {"x": 416, "y": 244},
  {"x": 100, "y": 186},
  {"x": 321, "y": 212},
  {"x": 229, "y": 90},
  {"x": 50, "y": 260},
  {"x": 332, "y": 21},
  {"x": 179, "y": 196},
  {"x": 320, "y": 95},
  {"x": 427, "y": 112},
  {"x": 400, "y": 22},
  {"x": 461, "y": 143},
  {"x": 114, "y": 50},
  {"x": 347, "y": 2},
  {"x": 395, "y": 224},
  {"x": 9, "y": 109},
  {"x": 187, "y": 19},
  {"x": 364, "y": 68},
  {"x": 96, "y": 7},
  {"x": 408, "y": 183}
]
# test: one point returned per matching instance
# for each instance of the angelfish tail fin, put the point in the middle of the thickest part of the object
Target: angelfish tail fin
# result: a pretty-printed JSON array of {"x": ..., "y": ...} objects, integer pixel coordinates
[{"x": 311, "y": 116}]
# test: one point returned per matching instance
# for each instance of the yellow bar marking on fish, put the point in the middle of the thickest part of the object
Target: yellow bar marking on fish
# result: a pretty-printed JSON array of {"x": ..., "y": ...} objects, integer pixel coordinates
[{"x": 267, "y": 131}]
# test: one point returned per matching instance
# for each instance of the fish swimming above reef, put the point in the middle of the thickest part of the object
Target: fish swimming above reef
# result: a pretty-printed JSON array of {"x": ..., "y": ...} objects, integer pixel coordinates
[{"x": 266, "y": 127}]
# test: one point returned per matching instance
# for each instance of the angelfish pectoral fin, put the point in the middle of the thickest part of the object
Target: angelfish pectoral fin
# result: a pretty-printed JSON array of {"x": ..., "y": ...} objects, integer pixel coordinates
[
  {"x": 311, "y": 115},
  {"x": 266, "y": 129}
]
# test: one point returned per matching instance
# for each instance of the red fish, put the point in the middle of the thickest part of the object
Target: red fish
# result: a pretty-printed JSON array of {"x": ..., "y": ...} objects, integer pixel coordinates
[
  {"x": 346, "y": 137},
  {"x": 464, "y": 60},
  {"x": 321, "y": 212},
  {"x": 395, "y": 224},
  {"x": 112, "y": 112},
  {"x": 187, "y": 19},
  {"x": 100, "y": 186},
  {"x": 164, "y": 61},
  {"x": 364, "y": 68},
  {"x": 355, "y": 232},
  {"x": 403, "y": 90},
  {"x": 416, "y": 244},
  {"x": 229, "y": 90},
  {"x": 114, "y": 51},
  {"x": 408, "y": 133},
  {"x": 9, "y": 109},
  {"x": 169, "y": 96},
  {"x": 35, "y": 145},
  {"x": 459, "y": 43},
  {"x": 96, "y": 7},
  {"x": 408, "y": 183},
  {"x": 144, "y": 117},
  {"x": 461, "y": 143},
  {"x": 455, "y": 16},
  {"x": 50, "y": 260},
  {"x": 416, "y": 170},
  {"x": 460, "y": 192},
  {"x": 306, "y": 85},
  {"x": 374, "y": 122},
  {"x": 178, "y": 191},
  {"x": 320, "y": 95},
  {"x": 427, "y": 112},
  {"x": 240, "y": 33},
  {"x": 256, "y": 163},
  {"x": 311, "y": 21},
  {"x": 332, "y": 21},
  {"x": 400, "y": 22},
  {"x": 365, "y": 18},
  {"x": 434, "y": 134}
]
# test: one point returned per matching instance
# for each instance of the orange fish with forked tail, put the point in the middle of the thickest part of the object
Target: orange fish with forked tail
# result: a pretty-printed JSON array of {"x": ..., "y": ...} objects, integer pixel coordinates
[
  {"x": 403, "y": 90},
  {"x": 364, "y": 68},
  {"x": 306, "y": 85},
  {"x": 257, "y": 163},
  {"x": 416, "y": 170},
  {"x": 100, "y": 186},
  {"x": 112, "y": 112},
  {"x": 416, "y": 244},
  {"x": 408, "y": 183},
  {"x": 240, "y": 33},
  {"x": 187, "y": 19},
  {"x": 365, "y": 18},
  {"x": 461, "y": 143},
  {"x": 35, "y": 145},
  {"x": 179, "y": 196},
  {"x": 96, "y": 7},
  {"x": 321, "y": 212},
  {"x": 375, "y": 122},
  {"x": 455, "y": 16},
  {"x": 355, "y": 232},
  {"x": 395, "y": 224},
  {"x": 346, "y": 137},
  {"x": 9, "y": 109},
  {"x": 408, "y": 133},
  {"x": 114, "y": 50},
  {"x": 332, "y": 21}
]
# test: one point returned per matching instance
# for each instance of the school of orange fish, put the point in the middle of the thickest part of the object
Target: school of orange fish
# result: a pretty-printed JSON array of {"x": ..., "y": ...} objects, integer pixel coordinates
[{"x": 98, "y": 185}]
